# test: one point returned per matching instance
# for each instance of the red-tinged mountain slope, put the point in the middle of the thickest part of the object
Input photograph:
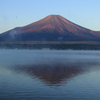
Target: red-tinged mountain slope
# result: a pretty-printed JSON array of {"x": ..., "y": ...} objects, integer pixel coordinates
[{"x": 51, "y": 28}]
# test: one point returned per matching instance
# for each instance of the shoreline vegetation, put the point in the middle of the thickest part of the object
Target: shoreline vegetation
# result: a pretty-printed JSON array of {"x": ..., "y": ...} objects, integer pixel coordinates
[{"x": 48, "y": 45}]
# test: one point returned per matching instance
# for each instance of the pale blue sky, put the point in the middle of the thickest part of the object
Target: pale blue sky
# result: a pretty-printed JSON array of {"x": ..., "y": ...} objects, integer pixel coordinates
[{"x": 16, "y": 13}]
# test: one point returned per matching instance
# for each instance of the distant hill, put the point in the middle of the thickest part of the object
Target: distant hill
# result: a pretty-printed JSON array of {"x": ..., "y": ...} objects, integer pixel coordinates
[{"x": 51, "y": 28}]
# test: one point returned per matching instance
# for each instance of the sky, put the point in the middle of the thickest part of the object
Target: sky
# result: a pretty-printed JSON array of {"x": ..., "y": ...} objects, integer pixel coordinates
[{"x": 17, "y": 13}]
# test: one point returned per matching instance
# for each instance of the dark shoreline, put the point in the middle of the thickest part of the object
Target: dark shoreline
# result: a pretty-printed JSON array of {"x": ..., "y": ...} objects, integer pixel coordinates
[{"x": 50, "y": 46}]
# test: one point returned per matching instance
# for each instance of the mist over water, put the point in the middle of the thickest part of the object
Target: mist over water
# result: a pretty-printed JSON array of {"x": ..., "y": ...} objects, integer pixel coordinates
[{"x": 49, "y": 74}]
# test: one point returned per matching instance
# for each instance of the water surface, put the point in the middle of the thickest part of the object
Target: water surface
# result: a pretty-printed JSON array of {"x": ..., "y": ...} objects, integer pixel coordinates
[{"x": 49, "y": 75}]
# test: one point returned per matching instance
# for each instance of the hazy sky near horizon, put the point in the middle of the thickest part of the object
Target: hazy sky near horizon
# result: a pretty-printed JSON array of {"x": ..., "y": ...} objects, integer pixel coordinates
[{"x": 17, "y": 13}]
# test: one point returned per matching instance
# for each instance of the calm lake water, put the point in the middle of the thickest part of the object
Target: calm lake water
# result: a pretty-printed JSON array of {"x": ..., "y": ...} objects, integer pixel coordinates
[{"x": 49, "y": 75}]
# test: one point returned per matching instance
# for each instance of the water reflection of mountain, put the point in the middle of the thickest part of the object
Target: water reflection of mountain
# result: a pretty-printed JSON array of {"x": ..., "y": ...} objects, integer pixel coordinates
[
  {"x": 57, "y": 73},
  {"x": 51, "y": 75}
]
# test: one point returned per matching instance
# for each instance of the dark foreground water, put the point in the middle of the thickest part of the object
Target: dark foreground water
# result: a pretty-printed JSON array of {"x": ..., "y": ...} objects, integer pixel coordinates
[{"x": 49, "y": 75}]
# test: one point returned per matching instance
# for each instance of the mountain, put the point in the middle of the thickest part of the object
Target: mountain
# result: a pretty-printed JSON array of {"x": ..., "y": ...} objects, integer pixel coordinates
[{"x": 51, "y": 28}]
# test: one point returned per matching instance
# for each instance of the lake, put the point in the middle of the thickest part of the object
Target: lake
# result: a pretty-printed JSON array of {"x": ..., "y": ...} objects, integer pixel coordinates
[{"x": 49, "y": 75}]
